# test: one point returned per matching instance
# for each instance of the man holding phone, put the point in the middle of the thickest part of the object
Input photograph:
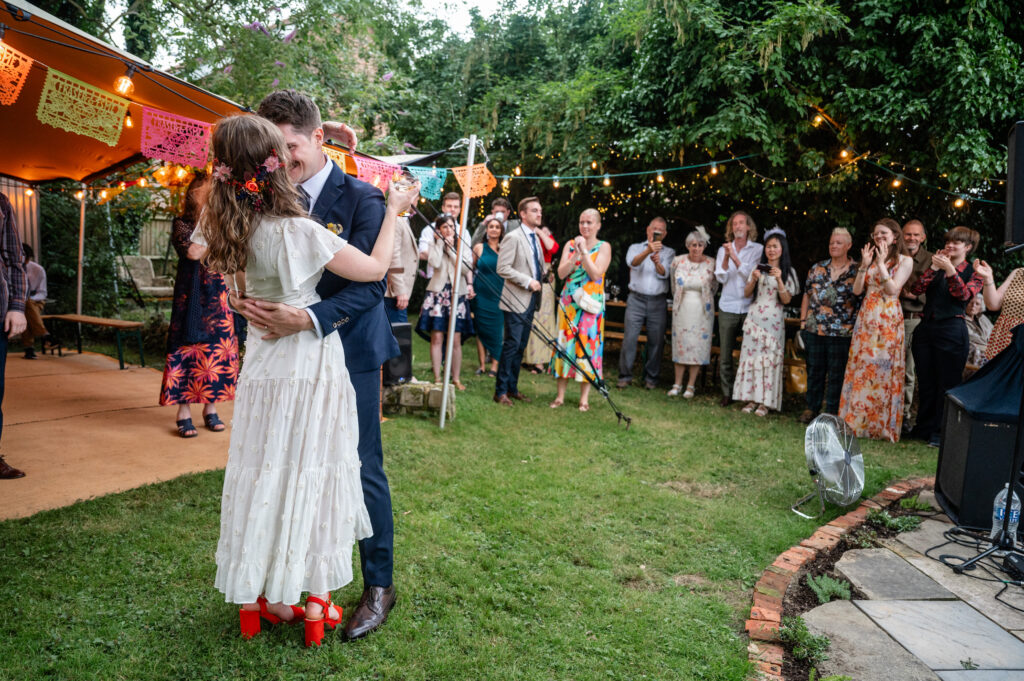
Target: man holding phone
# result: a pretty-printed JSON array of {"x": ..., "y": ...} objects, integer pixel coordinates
[{"x": 647, "y": 305}]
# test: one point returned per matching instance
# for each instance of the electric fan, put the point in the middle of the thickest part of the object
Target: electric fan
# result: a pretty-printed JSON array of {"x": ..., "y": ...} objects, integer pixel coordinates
[{"x": 834, "y": 461}]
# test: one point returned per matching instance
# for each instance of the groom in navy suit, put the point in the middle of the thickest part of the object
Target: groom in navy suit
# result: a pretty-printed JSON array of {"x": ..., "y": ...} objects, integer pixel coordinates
[{"x": 354, "y": 210}]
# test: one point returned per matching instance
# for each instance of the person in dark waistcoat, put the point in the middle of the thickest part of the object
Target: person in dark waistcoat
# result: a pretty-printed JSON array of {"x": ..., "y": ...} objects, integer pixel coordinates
[{"x": 941, "y": 342}]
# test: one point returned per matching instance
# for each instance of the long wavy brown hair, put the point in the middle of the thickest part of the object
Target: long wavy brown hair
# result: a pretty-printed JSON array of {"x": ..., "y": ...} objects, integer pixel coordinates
[
  {"x": 243, "y": 143},
  {"x": 897, "y": 247}
]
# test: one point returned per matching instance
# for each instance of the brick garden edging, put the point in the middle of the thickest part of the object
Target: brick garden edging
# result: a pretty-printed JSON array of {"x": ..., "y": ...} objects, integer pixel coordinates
[{"x": 765, "y": 619}]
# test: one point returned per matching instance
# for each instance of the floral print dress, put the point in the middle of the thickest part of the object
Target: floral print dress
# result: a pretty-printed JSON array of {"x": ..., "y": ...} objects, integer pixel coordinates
[
  {"x": 759, "y": 375},
  {"x": 693, "y": 309},
  {"x": 580, "y": 334},
  {"x": 202, "y": 348},
  {"x": 872, "y": 399}
]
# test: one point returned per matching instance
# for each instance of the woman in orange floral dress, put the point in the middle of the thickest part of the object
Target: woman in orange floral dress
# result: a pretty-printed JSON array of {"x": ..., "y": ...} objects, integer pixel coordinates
[
  {"x": 872, "y": 399},
  {"x": 202, "y": 348}
]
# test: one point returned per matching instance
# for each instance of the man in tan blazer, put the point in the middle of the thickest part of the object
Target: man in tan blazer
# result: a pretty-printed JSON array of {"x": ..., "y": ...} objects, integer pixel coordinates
[
  {"x": 402, "y": 273},
  {"x": 520, "y": 265}
]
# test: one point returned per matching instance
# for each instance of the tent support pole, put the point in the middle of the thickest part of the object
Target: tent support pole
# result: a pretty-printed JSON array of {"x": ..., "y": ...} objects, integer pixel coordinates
[
  {"x": 81, "y": 247},
  {"x": 453, "y": 313}
]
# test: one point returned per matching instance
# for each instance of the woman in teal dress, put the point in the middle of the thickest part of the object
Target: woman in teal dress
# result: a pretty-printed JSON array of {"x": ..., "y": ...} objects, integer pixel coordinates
[
  {"x": 487, "y": 316},
  {"x": 581, "y": 331}
]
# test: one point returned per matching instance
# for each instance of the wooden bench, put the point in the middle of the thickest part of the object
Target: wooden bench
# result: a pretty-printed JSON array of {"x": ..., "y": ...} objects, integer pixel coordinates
[{"x": 118, "y": 325}]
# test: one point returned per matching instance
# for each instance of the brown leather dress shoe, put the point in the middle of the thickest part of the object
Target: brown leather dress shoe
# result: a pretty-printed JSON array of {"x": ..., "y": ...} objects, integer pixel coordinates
[
  {"x": 9, "y": 472},
  {"x": 503, "y": 400},
  {"x": 521, "y": 397},
  {"x": 372, "y": 611},
  {"x": 807, "y": 416},
  {"x": 726, "y": 401}
]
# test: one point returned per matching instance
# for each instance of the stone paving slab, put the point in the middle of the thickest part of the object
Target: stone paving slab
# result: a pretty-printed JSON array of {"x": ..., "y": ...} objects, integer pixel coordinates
[
  {"x": 853, "y": 634},
  {"x": 944, "y": 634},
  {"x": 882, "y": 575},
  {"x": 981, "y": 675},
  {"x": 976, "y": 592}
]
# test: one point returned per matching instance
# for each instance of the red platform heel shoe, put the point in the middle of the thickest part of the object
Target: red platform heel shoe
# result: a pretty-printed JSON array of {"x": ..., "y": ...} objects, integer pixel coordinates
[
  {"x": 249, "y": 620},
  {"x": 315, "y": 628}
]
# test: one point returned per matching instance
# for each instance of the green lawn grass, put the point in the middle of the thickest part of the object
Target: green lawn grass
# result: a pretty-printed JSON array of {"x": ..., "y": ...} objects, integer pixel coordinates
[{"x": 531, "y": 543}]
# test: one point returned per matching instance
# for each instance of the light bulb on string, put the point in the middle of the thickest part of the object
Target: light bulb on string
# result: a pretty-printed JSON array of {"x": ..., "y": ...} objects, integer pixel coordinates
[
  {"x": 714, "y": 169},
  {"x": 818, "y": 120},
  {"x": 518, "y": 170},
  {"x": 593, "y": 165},
  {"x": 607, "y": 180},
  {"x": 103, "y": 194},
  {"x": 504, "y": 182},
  {"x": 124, "y": 85},
  {"x": 80, "y": 195},
  {"x": 29, "y": 191},
  {"x": 660, "y": 178},
  {"x": 897, "y": 182},
  {"x": 959, "y": 203},
  {"x": 555, "y": 183},
  {"x": 143, "y": 182},
  {"x": 128, "y": 122},
  {"x": 845, "y": 153}
]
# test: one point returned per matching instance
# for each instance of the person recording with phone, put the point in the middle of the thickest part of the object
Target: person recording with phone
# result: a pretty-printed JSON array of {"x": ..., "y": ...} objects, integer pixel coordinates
[{"x": 647, "y": 305}]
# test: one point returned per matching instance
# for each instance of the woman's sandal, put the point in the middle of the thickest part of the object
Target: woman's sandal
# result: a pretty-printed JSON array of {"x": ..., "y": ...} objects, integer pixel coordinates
[
  {"x": 555, "y": 404},
  {"x": 458, "y": 385},
  {"x": 315, "y": 628},
  {"x": 749, "y": 408},
  {"x": 249, "y": 620},
  {"x": 688, "y": 394},
  {"x": 212, "y": 421},
  {"x": 675, "y": 390},
  {"x": 762, "y": 411},
  {"x": 186, "y": 429}
]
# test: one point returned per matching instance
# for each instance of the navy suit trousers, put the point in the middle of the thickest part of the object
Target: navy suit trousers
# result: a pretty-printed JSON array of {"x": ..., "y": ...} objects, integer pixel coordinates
[
  {"x": 376, "y": 554},
  {"x": 517, "y": 335}
]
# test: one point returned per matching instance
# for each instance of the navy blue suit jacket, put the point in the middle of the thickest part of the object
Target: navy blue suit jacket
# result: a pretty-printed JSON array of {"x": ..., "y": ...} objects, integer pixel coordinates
[{"x": 354, "y": 309}]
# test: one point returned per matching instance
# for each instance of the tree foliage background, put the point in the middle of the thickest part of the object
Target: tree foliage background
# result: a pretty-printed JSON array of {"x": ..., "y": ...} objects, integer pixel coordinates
[{"x": 923, "y": 91}]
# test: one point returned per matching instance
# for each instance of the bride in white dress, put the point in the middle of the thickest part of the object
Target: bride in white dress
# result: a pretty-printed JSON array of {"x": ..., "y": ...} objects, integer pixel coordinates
[{"x": 292, "y": 504}]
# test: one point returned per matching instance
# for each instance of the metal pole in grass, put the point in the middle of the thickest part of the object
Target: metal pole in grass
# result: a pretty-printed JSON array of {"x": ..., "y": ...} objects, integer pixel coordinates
[{"x": 453, "y": 313}]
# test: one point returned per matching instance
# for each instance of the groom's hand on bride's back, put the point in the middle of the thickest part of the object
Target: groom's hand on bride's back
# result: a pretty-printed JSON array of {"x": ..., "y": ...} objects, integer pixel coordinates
[{"x": 277, "y": 320}]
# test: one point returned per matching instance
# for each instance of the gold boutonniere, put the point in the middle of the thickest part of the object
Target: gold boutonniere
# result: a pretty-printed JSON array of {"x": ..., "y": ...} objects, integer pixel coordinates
[{"x": 335, "y": 228}]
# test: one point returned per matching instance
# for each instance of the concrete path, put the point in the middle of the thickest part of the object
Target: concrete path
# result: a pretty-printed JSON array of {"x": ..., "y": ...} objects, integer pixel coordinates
[
  {"x": 921, "y": 621},
  {"x": 79, "y": 427}
]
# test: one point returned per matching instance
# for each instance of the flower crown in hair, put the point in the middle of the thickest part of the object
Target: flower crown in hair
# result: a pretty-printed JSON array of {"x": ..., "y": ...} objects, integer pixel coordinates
[
  {"x": 250, "y": 188},
  {"x": 774, "y": 231}
]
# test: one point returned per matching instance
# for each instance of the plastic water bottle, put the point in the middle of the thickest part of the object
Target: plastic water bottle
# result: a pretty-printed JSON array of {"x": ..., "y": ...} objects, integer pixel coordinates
[{"x": 999, "y": 509}]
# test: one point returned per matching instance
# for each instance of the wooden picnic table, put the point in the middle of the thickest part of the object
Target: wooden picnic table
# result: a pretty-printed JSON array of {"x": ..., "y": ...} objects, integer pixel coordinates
[{"x": 119, "y": 325}]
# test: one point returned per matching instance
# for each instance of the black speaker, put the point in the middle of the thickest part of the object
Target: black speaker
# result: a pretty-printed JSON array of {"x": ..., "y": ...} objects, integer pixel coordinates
[
  {"x": 974, "y": 462},
  {"x": 1015, "y": 185},
  {"x": 399, "y": 369}
]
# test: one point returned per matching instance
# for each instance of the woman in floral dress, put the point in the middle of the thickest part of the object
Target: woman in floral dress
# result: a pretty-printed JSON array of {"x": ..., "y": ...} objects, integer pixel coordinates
[
  {"x": 580, "y": 332},
  {"x": 759, "y": 376},
  {"x": 693, "y": 281},
  {"x": 872, "y": 399},
  {"x": 202, "y": 348}
]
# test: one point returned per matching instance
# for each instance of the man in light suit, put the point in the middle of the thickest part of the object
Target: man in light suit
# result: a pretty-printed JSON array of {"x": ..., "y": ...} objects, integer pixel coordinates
[
  {"x": 402, "y": 273},
  {"x": 354, "y": 210},
  {"x": 521, "y": 266}
]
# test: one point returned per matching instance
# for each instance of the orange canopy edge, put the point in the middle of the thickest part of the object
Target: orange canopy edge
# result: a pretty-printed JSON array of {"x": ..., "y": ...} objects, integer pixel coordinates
[{"x": 36, "y": 152}]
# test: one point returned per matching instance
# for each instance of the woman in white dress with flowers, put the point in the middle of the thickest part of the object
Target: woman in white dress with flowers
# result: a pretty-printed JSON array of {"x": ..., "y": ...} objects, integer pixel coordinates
[
  {"x": 759, "y": 376},
  {"x": 292, "y": 505},
  {"x": 693, "y": 281}
]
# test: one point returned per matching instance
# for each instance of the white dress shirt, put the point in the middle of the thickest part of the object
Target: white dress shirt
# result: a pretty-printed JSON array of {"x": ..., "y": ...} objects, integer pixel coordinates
[
  {"x": 36, "y": 279},
  {"x": 644, "y": 278},
  {"x": 734, "y": 279},
  {"x": 313, "y": 187}
]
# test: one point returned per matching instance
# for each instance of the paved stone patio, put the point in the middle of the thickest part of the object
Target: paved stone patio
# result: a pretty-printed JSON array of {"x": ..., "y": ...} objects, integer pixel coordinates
[{"x": 921, "y": 621}]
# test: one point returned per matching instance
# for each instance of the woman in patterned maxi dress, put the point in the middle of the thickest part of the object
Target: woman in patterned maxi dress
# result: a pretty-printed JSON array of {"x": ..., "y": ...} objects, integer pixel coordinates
[
  {"x": 872, "y": 398},
  {"x": 692, "y": 277},
  {"x": 580, "y": 333},
  {"x": 759, "y": 374}
]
